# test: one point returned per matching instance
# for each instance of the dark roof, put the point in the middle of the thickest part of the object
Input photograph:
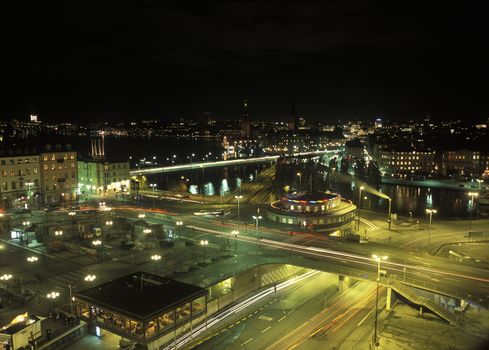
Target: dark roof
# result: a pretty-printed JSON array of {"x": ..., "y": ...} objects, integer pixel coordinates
[
  {"x": 311, "y": 198},
  {"x": 125, "y": 295}
]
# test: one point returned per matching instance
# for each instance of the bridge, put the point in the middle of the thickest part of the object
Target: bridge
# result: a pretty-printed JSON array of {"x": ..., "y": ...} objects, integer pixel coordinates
[{"x": 220, "y": 163}]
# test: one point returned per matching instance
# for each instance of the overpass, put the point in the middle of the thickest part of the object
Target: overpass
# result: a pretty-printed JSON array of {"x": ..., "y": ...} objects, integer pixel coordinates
[
  {"x": 220, "y": 163},
  {"x": 406, "y": 275}
]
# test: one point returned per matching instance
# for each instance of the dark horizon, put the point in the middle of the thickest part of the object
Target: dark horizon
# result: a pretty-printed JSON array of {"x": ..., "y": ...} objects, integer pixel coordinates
[{"x": 144, "y": 60}]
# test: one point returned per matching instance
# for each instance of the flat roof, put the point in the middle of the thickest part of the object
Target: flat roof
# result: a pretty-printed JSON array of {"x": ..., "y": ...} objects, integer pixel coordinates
[{"x": 141, "y": 295}]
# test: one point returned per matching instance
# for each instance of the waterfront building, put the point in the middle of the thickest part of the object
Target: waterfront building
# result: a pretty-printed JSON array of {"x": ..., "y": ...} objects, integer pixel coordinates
[
  {"x": 354, "y": 149},
  {"x": 398, "y": 161},
  {"x": 20, "y": 177},
  {"x": 98, "y": 175},
  {"x": 59, "y": 179},
  {"x": 461, "y": 162},
  {"x": 325, "y": 212}
]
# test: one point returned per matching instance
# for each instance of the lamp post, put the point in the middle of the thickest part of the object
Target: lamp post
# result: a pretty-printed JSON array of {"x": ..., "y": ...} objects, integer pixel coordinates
[
  {"x": 472, "y": 196},
  {"x": 300, "y": 181},
  {"x": 360, "y": 189},
  {"x": 377, "y": 259},
  {"x": 204, "y": 243},
  {"x": 72, "y": 215},
  {"x": 58, "y": 234},
  {"x": 98, "y": 243},
  {"x": 480, "y": 183},
  {"x": 257, "y": 218},
  {"x": 430, "y": 212},
  {"x": 29, "y": 184},
  {"x": 179, "y": 225},
  {"x": 238, "y": 198},
  {"x": 156, "y": 258},
  {"x": 141, "y": 216},
  {"x": 109, "y": 224},
  {"x": 53, "y": 296},
  {"x": 153, "y": 186},
  {"x": 389, "y": 217},
  {"x": 25, "y": 234}
]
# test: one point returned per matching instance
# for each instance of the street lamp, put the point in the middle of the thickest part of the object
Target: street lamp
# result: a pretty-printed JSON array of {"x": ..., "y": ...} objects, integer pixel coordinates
[
  {"x": 58, "y": 234},
  {"x": 109, "y": 223},
  {"x": 53, "y": 296},
  {"x": 378, "y": 259},
  {"x": 25, "y": 234},
  {"x": 238, "y": 198},
  {"x": 300, "y": 181},
  {"x": 472, "y": 196},
  {"x": 360, "y": 189},
  {"x": 141, "y": 216},
  {"x": 430, "y": 212},
  {"x": 179, "y": 225},
  {"x": 5, "y": 277},
  {"x": 204, "y": 243},
  {"x": 480, "y": 182},
  {"x": 153, "y": 186},
  {"x": 90, "y": 278},
  {"x": 98, "y": 243},
  {"x": 146, "y": 230},
  {"x": 29, "y": 184},
  {"x": 32, "y": 259},
  {"x": 156, "y": 258},
  {"x": 72, "y": 214},
  {"x": 256, "y": 218},
  {"x": 389, "y": 217}
]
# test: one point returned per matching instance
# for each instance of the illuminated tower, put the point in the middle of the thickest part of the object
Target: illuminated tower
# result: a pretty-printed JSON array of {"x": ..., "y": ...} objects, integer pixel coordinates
[{"x": 245, "y": 121}]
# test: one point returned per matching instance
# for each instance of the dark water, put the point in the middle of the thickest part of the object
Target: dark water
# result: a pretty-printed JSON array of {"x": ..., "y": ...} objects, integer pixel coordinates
[{"x": 405, "y": 199}]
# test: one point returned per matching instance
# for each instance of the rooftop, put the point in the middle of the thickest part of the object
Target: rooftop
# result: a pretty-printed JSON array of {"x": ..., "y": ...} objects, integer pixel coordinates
[
  {"x": 312, "y": 198},
  {"x": 141, "y": 295}
]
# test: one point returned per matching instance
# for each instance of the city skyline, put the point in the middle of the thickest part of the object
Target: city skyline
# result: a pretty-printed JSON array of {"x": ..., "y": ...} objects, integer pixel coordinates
[{"x": 128, "y": 61}]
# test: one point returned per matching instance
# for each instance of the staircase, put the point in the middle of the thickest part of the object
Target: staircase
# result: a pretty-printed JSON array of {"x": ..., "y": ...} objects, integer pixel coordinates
[
  {"x": 37, "y": 305},
  {"x": 453, "y": 318}
]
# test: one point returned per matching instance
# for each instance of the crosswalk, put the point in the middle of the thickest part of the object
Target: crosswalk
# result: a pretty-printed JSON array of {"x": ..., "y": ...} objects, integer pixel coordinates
[{"x": 63, "y": 281}]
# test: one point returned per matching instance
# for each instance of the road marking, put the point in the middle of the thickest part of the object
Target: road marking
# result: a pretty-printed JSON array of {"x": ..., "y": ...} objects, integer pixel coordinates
[
  {"x": 291, "y": 311},
  {"x": 363, "y": 319},
  {"x": 266, "y": 329},
  {"x": 246, "y": 342},
  {"x": 280, "y": 319}
]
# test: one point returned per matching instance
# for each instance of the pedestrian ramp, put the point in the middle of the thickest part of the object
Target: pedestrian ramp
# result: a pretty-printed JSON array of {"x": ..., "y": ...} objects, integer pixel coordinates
[{"x": 438, "y": 308}]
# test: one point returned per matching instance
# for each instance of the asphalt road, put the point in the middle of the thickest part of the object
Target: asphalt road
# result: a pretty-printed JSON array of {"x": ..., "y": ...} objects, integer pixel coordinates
[{"x": 304, "y": 317}]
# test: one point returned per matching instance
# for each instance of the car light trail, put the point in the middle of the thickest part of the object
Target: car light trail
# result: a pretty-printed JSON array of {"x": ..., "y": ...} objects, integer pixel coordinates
[{"x": 198, "y": 330}]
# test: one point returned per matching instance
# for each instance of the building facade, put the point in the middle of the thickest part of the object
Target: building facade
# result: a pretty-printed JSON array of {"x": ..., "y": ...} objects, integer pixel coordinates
[
  {"x": 404, "y": 162},
  {"x": 462, "y": 162},
  {"x": 103, "y": 178},
  {"x": 20, "y": 179},
  {"x": 59, "y": 177}
]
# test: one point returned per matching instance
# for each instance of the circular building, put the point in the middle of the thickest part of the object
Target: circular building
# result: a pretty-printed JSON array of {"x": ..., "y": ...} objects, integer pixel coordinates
[{"x": 325, "y": 212}]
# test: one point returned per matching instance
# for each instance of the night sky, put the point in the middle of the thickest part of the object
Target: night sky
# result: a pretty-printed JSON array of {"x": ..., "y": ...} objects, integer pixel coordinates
[{"x": 135, "y": 60}]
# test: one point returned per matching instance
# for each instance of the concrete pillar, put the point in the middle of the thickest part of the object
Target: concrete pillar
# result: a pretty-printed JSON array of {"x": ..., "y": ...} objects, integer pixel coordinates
[
  {"x": 341, "y": 283},
  {"x": 388, "y": 301}
]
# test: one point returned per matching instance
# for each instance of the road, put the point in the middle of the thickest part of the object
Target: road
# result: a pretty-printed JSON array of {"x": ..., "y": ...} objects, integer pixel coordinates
[{"x": 304, "y": 317}]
